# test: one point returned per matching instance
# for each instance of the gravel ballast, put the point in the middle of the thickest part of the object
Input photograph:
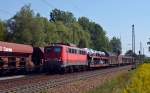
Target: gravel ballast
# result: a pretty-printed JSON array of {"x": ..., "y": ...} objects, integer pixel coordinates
[{"x": 85, "y": 85}]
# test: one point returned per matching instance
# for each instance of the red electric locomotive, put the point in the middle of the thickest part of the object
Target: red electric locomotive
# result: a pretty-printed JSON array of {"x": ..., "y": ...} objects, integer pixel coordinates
[{"x": 60, "y": 57}]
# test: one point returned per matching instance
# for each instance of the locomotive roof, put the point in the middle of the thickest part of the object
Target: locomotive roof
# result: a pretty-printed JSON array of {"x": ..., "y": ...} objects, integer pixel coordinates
[{"x": 64, "y": 45}]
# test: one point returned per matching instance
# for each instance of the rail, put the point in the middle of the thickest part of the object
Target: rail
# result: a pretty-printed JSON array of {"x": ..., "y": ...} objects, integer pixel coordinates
[{"x": 45, "y": 86}]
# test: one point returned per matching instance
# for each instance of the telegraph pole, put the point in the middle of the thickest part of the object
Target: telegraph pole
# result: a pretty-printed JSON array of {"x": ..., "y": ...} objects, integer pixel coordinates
[
  {"x": 148, "y": 43},
  {"x": 140, "y": 53},
  {"x": 133, "y": 43},
  {"x": 140, "y": 47},
  {"x": 133, "y": 39}
]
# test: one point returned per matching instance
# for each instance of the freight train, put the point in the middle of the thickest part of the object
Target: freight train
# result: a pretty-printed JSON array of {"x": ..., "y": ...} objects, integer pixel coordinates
[
  {"x": 67, "y": 58},
  {"x": 20, "y": 58}
]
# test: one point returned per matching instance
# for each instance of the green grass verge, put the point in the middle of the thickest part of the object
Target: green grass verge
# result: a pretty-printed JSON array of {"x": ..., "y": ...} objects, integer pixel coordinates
[{"x": 115, "y": 85}]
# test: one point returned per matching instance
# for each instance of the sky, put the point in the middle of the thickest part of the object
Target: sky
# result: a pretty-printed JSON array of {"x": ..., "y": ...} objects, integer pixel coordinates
[{"x": 115, "y": 16}]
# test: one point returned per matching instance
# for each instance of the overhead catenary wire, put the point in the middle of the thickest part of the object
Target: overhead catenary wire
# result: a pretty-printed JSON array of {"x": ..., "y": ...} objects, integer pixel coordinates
[
  {"x": 4, "y": 11},
  {"x": 79, "y": 10},
  {"x": 48, "y": 4}
]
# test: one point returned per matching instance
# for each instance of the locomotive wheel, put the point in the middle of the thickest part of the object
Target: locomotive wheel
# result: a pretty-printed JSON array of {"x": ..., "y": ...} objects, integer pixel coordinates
[
  {"x": 75, "y": 68},
  {"x": 62, "y": 70},
  {"x": 82, "y": 68},
  {"x": 78, "y": 68},
  {"x": 67, "y": 69},
  {"x": 1, "y": 72},
  {"x": 71, "y": 70},
  {"x": 85, "y": 68}
]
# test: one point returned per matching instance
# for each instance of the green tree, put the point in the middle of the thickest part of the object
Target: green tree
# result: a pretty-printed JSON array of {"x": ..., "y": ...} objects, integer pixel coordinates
[
  {"x": 37, "y": 30},
  {"x": 27, "y": 28},
  {"x": 58, "y": 15},
  {"x": 78, "y": 35},
  {"x": 98, "y": 36},
  {"x": 75, "y": 30},
  {"x": 62, "y": 31},
  {"x": 130, "y": 53},
  {"x": 84, "y": 22},
  {"x": 50, "y": 32},
  {"x": 2, "y": 31},
  {"x": 115, "y": 44}
]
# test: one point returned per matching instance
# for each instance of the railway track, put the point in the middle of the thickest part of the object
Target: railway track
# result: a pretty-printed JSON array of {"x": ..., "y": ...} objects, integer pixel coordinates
[{"x": 44, "y": 85}]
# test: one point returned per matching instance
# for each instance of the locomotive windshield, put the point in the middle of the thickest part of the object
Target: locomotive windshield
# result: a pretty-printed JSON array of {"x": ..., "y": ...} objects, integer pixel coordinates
[
  {"x": 56, "y": 50},
  {"x": 53, "y": 52}
]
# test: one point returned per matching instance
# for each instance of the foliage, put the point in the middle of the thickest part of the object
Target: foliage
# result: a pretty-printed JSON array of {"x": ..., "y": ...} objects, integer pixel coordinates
[
  {"x": 29, "y": 28},
  {"x": 98, "y": 36},
  {"x": 115, "y": 44},
  {"x": 115, "y": 85},
  {"x": 58, "y": 15},
  {"x": 130, "y": 53},
  {"x": 84, "y": 22},
  {"x": 140, "y": 82},
  {"x": 26, "y": 27},
  {"x": 2, "y": 31},
  {"x": 147, "y": 60}
]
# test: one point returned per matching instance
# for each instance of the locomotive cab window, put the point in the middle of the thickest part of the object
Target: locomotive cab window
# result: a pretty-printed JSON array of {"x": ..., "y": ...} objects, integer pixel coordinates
[
  {"x": 48, "y": 50},
  {"x": 57, "y": 49}
]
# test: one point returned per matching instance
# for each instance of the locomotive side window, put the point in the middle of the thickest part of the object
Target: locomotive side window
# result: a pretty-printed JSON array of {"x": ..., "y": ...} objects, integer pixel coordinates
[
  {"x": 82, "y": 52},
  {"x": 74, "y": 51},
  {"x": 69, "y": 50}
]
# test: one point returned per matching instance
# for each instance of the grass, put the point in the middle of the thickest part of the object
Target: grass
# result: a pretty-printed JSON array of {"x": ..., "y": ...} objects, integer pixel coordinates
[
  {"x": 140, "y": 82},
  {"x": 137, "y": 81},
  {"x": 115, "y": 85}
]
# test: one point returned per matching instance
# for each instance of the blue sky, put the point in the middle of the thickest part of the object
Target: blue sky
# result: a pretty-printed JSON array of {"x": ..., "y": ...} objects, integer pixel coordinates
[{"x": 115, "y": 16}]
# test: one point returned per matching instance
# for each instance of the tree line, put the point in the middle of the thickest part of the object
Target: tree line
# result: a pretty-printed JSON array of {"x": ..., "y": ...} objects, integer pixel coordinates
[{"x": 26, "y": 27}]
